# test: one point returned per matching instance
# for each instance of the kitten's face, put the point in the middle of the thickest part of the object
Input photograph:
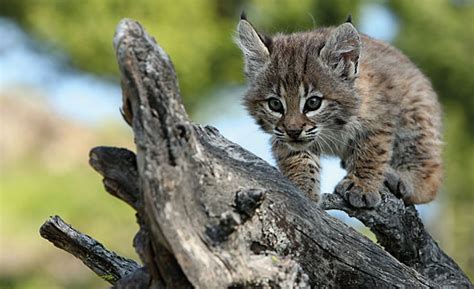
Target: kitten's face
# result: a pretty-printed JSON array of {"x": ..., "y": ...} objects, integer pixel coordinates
[{"x": 297, "y": 94}]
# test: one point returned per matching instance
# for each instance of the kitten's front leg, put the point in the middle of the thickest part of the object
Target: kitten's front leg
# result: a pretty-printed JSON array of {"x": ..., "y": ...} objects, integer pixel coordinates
[
  {"x": 366, "y": 164},
  {"x": 300, "y": 167}
]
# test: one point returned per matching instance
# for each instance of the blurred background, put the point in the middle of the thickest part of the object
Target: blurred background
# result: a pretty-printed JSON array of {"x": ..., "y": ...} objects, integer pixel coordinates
[{"x": 60, "y": 96}]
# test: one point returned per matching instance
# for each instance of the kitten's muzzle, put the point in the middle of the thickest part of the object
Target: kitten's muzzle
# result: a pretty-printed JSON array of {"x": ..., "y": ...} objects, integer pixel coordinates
[{"x": 294, "y": 133}]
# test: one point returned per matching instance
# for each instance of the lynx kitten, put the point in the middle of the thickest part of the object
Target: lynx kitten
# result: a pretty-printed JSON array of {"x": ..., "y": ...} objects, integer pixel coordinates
[{"x": 335, "y": 91}]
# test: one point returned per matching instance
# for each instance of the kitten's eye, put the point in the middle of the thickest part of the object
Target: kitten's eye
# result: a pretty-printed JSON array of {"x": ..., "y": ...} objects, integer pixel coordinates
[
  {"x": 275, "y": 105},
  {"x": 313, "y": 103}
]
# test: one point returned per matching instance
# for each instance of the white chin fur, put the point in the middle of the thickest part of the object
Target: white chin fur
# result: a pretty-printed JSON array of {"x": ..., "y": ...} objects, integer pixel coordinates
[{"x": 298, "y": 146}]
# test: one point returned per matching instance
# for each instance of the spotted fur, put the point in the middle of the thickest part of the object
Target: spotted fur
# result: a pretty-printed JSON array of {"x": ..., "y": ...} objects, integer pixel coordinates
[{"x": 378, "y": 113}]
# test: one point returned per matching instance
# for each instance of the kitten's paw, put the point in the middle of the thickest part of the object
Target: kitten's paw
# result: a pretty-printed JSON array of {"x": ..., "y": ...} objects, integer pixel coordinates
[
  {"x": 356, "y": 194},
  {"x": 360, "y": 199}
]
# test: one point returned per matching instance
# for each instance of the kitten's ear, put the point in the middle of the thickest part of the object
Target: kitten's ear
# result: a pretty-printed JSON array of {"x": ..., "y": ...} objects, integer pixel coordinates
[
  {"x": 342, "y": 50},
  {"x": 256, "y": 49}
]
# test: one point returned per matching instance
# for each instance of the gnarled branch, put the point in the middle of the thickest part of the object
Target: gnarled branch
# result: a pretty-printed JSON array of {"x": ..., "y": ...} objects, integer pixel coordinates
[
  {"x": 106, "y": 264},
  {"x": 400, "y": 231}
]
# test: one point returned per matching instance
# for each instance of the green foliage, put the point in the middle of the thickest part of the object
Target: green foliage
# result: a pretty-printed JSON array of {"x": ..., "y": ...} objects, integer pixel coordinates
[
  {"x": 35, "y": 191},
  {"x": 439, "y": 37},
  {"x": 458, "y": 156},
  {"x": 196, "y": 33}
]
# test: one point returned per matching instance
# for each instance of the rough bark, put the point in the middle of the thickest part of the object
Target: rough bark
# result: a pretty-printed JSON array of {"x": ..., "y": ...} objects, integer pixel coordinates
[
  {"x": 400, "y": 231},
  {"x": 213, "y": 215},
  {"x": 108, "y": 265}
]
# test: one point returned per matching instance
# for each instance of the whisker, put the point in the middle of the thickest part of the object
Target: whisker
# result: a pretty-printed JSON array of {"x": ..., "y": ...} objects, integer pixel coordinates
[
  {"x": 345, "y": 144},
  {"x": 338, "y": 140},
  {"x": 335, "y": 140},
  {"x": 316, "y": 143},
  {"x": 321, "y": 137}
]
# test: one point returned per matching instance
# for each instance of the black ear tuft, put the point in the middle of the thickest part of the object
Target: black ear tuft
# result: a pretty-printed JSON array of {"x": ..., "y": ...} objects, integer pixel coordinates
[
  {"x": 243, "y": 16},
  {"x": 349, "y": 19}
]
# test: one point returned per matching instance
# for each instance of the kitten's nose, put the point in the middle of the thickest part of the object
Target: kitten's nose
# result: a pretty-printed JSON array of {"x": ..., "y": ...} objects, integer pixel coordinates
[{"x": 294, "y": 133}]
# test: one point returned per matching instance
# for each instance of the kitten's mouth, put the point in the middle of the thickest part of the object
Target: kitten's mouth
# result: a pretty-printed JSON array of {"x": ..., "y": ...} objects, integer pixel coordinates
[{"x": 298, "y": 144}]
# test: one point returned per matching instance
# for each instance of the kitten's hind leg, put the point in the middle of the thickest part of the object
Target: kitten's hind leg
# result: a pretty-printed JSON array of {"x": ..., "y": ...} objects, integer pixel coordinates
[
  {"x": 400, "y": 187},
  {"x": 417, "y": 163},
  {"x": 414, "y": 187}
]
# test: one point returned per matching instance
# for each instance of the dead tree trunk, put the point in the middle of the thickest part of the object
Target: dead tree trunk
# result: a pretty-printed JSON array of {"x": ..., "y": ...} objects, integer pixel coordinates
[{"x": 212, "y": 215}]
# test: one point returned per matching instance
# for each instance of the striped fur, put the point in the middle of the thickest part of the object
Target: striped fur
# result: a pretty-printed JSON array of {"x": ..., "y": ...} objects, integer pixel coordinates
[{"x": 378, "y": 112}]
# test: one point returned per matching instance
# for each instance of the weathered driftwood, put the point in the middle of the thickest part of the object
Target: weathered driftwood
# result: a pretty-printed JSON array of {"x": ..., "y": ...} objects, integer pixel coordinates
[
  {"x": 108, "y": 265},
  {"x": 212, "y": 215}
]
